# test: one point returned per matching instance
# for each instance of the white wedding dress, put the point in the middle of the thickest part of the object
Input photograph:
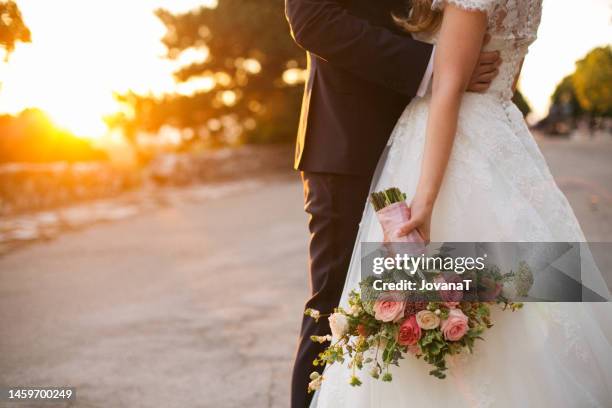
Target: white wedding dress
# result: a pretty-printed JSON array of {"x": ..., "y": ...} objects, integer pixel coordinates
[{"x": 497, "y": 188}]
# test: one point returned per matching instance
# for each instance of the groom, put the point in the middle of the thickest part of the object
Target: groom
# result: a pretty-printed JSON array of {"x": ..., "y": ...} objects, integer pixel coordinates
[{"x": 363, "y": 72}]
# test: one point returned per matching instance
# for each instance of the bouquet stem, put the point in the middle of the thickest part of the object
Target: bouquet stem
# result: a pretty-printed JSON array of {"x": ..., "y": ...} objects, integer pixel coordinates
[
  {"x": 392, "y": 213},
  {"x": 387, "y": 197}
]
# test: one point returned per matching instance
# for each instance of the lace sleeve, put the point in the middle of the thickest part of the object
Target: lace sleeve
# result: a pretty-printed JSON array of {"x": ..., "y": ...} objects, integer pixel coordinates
[{"x": 473, "y": 5}]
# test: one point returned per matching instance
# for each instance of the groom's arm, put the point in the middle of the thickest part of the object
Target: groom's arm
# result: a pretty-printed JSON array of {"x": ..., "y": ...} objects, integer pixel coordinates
[{"x": 326, "y": 29}]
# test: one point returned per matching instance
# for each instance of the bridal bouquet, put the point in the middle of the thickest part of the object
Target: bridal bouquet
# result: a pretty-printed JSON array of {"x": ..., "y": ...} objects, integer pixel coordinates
[{"x": 379, "y": 328}]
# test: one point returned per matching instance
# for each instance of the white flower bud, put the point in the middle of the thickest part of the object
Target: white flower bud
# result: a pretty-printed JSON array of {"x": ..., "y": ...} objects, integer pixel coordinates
[{"x": 339, "y": 325}]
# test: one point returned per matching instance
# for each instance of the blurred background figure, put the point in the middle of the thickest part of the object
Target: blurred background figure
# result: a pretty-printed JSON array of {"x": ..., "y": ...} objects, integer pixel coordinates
[{"x": 581, "y": 105}]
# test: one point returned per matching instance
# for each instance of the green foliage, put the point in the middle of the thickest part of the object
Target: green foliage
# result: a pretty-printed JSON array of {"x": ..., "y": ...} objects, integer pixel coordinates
[
  {"x": 589, "y": 89},
  {"x": 249, "y": 50},
  {"x": 355, "y": 381},
  {"x": 434, "y": 349},
  {"x": 32, "y": 137},
  {"x": 592, "y": 81},
  {"x": 12, "y": 27}
]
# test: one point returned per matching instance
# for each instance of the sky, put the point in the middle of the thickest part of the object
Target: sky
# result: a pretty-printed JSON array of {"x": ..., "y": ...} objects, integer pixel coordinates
[
  {"x": 569, "y": 30},
  {"x": 83, "y": 51}
]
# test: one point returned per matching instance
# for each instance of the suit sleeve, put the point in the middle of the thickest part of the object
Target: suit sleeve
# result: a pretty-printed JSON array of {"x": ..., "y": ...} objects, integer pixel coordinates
[{"x": 326, "y": 29}]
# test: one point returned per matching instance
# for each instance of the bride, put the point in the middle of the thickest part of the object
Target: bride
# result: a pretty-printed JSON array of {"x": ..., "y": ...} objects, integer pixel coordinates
[{"x": 482, "y": 178}]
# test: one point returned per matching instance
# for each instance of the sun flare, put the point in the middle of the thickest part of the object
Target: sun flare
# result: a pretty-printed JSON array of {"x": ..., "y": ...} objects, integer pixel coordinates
[
  {"x": 89, "y": 126},
  {"x": 73, "y": 66}
]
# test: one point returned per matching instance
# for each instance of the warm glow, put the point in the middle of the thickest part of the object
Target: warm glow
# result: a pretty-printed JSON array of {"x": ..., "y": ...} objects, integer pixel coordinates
[
  {"x": 294, "y": 76},
  {"x": 252, "y": 66},
  {"x": 196, "y": 84},
  {"x": 83, "y": 51},
  {"x": 229, "y": 98},
  {"x": 89, "y": 126}
]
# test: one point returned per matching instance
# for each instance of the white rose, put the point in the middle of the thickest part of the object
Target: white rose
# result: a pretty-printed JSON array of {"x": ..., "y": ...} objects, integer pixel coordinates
[
  {"x": 354, "y": 310},
  {"x": 509, "y": 290},
  {"x": 339, "y": 325}
]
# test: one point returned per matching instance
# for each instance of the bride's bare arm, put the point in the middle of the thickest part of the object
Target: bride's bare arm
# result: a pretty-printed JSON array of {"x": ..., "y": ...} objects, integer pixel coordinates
[{"x": 460, "y": 40}]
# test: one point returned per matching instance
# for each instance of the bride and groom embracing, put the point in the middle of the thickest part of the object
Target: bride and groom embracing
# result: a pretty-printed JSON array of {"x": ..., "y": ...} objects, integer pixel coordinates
[{"x": 412, "y": 82}]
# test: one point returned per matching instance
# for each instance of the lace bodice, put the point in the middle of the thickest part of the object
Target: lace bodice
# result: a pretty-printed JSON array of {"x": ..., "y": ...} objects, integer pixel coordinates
[{"x": 513, "y": 26}]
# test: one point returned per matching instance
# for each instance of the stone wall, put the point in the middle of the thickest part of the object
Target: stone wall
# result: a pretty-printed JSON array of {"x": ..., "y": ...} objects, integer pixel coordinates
[
  {"x": 35, "y": 187},
  {"x": 30, "y": 187},
  {"x": 222, "y": 164}
]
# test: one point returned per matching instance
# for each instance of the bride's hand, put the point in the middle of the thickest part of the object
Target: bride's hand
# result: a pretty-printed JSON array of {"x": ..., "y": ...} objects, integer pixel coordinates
[{"x": 420, "y": 219}]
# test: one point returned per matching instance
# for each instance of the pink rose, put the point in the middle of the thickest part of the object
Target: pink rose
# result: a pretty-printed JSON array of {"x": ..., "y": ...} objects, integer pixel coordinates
[
  {"x": 414, "y": 349},
  {"x": 455, "y": 326},
  {"x": 389, "y": 307},
  {"x": 409, "y": 332},
  {"x": 450, "y": 295}
]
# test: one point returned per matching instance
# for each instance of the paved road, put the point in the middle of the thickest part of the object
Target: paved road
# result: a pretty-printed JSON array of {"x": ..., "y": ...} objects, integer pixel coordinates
[
  {"x": 195, "y": 304},
  {"x": 583, "y": 170}
]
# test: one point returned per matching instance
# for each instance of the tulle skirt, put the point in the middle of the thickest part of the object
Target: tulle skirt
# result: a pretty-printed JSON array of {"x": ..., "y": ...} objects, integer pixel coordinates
[{"x": 497, "y": 188}]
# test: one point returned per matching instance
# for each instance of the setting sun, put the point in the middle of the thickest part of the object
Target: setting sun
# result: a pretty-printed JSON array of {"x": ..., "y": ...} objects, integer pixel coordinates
[
  {"x": 85, "y": 124},
  {"x": 72, "y": 67}
]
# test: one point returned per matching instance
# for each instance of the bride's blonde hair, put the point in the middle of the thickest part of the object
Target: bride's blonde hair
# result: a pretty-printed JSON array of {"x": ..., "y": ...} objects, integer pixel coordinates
[{"x": 421, "y": 18}]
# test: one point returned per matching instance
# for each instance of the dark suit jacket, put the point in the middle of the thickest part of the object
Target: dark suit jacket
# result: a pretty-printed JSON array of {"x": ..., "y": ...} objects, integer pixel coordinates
[{"x": 363, "y": 71}]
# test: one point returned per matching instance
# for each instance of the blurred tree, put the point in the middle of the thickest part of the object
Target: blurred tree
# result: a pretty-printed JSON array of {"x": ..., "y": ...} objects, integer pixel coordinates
[
  {"x": 239, "y": 87},
  {"x": 592, "y": 82},
  {"x": 12, "y": 27},
  {"x": 520, "y": 101}
]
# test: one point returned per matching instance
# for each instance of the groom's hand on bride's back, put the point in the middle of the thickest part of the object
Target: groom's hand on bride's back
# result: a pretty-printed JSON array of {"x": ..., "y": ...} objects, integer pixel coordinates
[{"x": 486, "y": 70}]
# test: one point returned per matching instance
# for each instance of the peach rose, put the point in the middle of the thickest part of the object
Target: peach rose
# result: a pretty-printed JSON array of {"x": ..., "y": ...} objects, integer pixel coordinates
[
  {"x": 409, "y": 332},
  {"x": 427, "y": 320},
  {"x": 389, "y": 307},
  {"x": 455, "y": 326}
]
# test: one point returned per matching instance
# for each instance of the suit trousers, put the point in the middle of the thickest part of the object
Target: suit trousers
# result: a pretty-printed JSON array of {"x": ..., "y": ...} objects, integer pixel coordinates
[{"x": 335, "y": 204}]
